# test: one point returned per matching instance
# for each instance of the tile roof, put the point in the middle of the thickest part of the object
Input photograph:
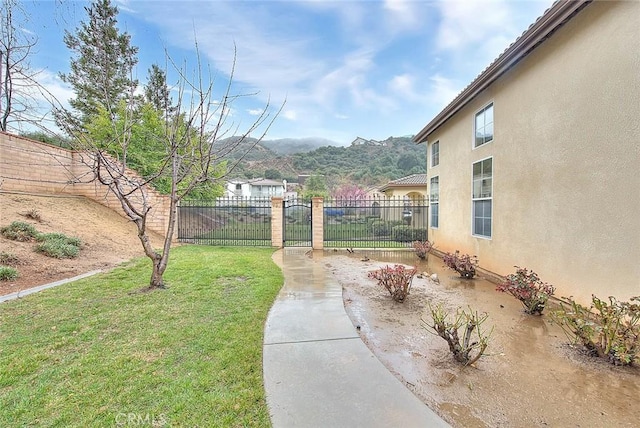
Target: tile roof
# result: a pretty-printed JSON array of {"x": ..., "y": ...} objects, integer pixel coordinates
[{"x": 408, "y": 181}]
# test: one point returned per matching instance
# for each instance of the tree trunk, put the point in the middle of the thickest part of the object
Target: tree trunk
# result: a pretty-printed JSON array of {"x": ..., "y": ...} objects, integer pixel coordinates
[{"x": 156, "y": 274}]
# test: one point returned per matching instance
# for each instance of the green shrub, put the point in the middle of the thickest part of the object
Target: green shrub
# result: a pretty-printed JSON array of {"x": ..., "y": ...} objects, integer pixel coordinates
[
  {"x": 408, "y": 234},
  {"x": 8, "y": 259},
  {"x": 19, "y": 231},
  {"x": 58, "y": 245},
  {"x": 383, "y": 228},
  {"x": 71, "y": 240},
  {"x": 609, "y": 330},
  {"x": 8, "y": 273}
]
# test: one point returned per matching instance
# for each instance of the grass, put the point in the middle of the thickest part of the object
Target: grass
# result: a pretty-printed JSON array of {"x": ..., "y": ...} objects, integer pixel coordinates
[{"x": 98, "y": 352}]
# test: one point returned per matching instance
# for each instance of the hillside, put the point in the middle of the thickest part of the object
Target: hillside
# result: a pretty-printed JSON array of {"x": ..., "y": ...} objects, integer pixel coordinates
[
  {"x": 107, "y": 238},
  {"x": 370, "y": 163}
]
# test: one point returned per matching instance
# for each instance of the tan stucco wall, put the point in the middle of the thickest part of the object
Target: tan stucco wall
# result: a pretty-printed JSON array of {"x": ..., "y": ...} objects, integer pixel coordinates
[
  {"x": 32, "y": 167},
  {"x": 566, "y": 160}
]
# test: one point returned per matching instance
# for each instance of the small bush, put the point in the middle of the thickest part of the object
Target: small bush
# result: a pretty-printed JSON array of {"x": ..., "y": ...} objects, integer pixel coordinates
[
  {"x": 612, "y": 331},
  {"x": 58, "y": 245},
  {"x": 465, "y": 265},
  {"x": 466, "y": 345},
  {"x": 526, "y": 286},
  {"x": 422, "y": 248},
  {"x": 381, "y": 227},
  {"x": 19, "y": 231},
  {"x": 33, "y": 214},
  {"x": 71, "y": 240},
  {"x": 397, "y": 280},
  {"x": 8, "y": 273},
  {"x": 408, "y": 234},
  {"x": 9, "y": 259}
]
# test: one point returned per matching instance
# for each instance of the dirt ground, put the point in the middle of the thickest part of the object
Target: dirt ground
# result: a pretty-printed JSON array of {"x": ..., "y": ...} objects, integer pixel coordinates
[
  {"x": 530, "y": 375},
  {"x": 107, "y": 238}
]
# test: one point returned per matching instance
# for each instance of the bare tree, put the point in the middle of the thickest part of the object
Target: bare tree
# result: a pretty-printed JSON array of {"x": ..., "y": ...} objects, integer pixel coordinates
[
  {"x": 189, "y": 143},
  {"x": 17, "y": 82}
]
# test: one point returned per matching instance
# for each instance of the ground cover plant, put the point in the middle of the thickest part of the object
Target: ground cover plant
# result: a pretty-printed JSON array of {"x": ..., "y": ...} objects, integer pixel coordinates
[
  {"x": 464, "y": 264},
  {"x": 7, "y": 273},
  {"x": 462, "y": 332},
  {"x": 9, "y": 259},
  {"x": 609, "y": 329},
  {"x": 93, "y": 352},
  {"x": 58, "y": 245},
  {"x": 396, "y": 280},
  {"x": 526, "y": 286},
  {"x": 19, "y": 231}
]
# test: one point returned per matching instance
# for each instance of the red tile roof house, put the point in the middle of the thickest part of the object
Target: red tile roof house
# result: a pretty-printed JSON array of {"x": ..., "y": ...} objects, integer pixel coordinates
[{"x": 537, "y": 162}]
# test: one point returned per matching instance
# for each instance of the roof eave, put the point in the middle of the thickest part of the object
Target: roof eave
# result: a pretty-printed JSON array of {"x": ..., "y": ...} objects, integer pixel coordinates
[{"x": 550, "y": 21}]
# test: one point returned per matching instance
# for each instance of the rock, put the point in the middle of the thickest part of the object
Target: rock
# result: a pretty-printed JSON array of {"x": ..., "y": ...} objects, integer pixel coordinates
[{"x": 434, "y": 277}]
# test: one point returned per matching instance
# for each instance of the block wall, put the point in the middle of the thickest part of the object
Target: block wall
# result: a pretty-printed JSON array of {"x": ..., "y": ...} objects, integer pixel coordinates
[{"x": 32, "y": 167}]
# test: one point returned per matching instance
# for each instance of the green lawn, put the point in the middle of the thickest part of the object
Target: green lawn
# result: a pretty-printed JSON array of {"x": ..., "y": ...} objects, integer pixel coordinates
[{"x": 97, "y": 352}]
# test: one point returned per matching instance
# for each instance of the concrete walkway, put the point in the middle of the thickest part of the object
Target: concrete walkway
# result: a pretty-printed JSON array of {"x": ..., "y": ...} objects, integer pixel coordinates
[{"x": 317, "y": 370}]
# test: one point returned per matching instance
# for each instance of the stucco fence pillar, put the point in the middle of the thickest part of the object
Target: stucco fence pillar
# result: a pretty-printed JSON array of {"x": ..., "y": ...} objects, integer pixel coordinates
[
  {"x": 277, "y": 211},
  {"x": 317, "y": 224}
]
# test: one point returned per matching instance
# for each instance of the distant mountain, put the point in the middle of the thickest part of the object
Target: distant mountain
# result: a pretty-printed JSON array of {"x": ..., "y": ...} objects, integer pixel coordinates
[
  {"x": 364, "y": 162},
  {"x": 287, "y": 146}
]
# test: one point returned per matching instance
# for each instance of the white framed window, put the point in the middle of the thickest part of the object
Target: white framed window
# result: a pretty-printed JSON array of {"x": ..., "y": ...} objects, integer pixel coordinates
[
  {"x": 483, "y": 126},
  {"x": 482, "y": 197},
  {"x": 434, "y": 201},
  {"x": 435, "y": 154}
]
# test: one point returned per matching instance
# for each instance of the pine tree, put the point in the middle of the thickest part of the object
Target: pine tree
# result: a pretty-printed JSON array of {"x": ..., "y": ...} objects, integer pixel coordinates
[
  {"x": 156, "y": 90},
  {"x": 103, "y": 60}
]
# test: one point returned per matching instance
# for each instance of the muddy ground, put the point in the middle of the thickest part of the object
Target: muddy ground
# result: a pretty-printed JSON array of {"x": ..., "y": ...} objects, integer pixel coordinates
[{"x": 529, "y": 377}]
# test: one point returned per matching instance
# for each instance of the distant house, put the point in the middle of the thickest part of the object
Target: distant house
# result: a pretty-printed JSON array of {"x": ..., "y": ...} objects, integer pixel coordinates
[
  {"x": 535, "y": 163},
  {"x": 411, "y": 193},
  {"x": 413, "y": 186},
  {"x": 254, "y": 188},
  {"x": 359, "y": 141}
]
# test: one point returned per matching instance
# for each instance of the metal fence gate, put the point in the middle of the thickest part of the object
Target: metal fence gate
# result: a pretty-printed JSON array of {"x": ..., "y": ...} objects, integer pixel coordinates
[
  {"x": 232, "y": 222},
  {"x": 375, "y": 223},
  {"x": 296, "y": 223}
]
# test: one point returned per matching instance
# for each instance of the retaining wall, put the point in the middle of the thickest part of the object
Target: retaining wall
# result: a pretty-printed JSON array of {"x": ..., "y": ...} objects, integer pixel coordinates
[{"x": 33, "y": 167}]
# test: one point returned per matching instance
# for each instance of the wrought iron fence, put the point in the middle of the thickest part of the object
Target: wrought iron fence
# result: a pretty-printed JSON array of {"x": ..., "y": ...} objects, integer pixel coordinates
[
  {"x": 374, "y": 223},
  {"x": 234, "y": 222},
  {"x": 297, "y": 221}
]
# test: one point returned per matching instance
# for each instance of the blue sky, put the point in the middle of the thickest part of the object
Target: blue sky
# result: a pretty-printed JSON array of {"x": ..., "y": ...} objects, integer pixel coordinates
[{"x": 346, "y": 68}]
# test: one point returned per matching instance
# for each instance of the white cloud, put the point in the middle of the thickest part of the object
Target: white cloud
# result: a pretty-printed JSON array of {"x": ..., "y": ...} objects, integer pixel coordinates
[
  {"x": 255, "y": 111},
  {"x": 404, "y": 14},
  {"x": 402, "y": 85},
  {"x": 290, "y": 115},
  {"x": 469, "y": 22},
  {"x": 442, "y": 90}
]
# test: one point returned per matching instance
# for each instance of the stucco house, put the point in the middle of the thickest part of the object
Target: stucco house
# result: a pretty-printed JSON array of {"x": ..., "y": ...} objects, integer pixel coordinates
[
  {"x": 413, "y": 186},
  {"x": 536, "y": 162},
  {"x": 410, "y": 192},
  {"x": 254, "y": 188}
]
